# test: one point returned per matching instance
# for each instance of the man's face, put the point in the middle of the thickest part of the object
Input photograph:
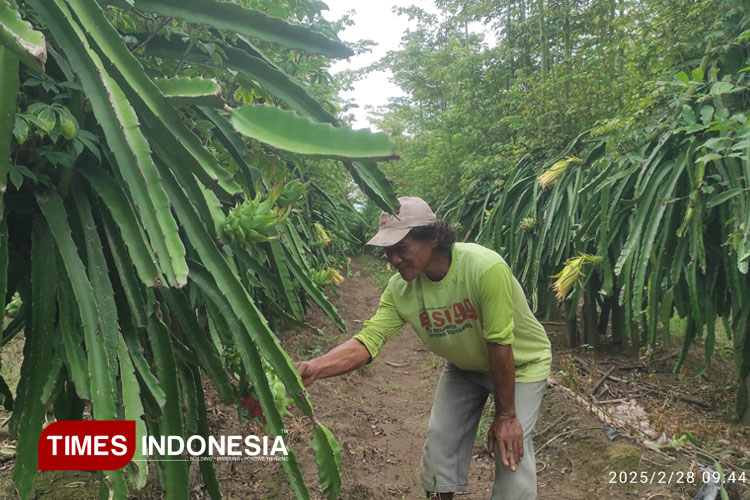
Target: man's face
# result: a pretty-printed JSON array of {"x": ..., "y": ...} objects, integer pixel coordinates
[{"x": 410, "y": 257}]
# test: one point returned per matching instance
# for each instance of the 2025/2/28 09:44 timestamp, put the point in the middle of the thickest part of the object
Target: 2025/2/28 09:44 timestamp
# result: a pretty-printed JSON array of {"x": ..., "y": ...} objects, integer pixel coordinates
[{"x": 675, "y": 477}]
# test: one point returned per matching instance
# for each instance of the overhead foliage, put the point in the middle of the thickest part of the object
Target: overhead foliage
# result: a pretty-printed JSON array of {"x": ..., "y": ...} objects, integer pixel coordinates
[{"x": 128, "y": 194}]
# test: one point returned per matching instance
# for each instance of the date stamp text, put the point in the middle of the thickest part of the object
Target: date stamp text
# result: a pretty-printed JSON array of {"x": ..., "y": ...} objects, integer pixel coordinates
[{"x": 675, "y": 477}]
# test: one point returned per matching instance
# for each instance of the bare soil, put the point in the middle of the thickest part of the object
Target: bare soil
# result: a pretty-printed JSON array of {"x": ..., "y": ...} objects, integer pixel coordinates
[{"x": 379, "y": 416}]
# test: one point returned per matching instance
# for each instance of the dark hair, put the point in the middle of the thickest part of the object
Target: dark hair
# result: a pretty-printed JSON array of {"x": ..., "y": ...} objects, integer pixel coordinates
[{"x": 443, "y": 231}]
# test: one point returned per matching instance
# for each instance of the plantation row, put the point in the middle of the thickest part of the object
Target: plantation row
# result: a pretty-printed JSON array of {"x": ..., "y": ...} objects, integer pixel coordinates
[{"x": 613, "y": 169}]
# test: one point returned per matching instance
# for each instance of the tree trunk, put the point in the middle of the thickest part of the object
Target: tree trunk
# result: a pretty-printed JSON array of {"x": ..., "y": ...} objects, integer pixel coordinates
[
  {"x": 544, "y": 43},
  {"x": 604, "y": 316},
  {"x": 618, "y": 322},
  {"x": 546, "y": 303},
  {"x": 590, "y": 323},
  {"x": 510, "y": 41},
  {"x": 571, "y": 323},
  {"x": 525, "y": 57}
]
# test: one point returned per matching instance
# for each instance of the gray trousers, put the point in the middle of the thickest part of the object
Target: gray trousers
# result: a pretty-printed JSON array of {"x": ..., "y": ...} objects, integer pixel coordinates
[{"x": 459, "y": 400}]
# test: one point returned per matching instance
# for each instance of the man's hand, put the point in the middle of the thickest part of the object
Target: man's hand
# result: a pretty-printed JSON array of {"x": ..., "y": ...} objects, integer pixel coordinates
[
  {"x": 341, "y": 359},
  {"x": 508, "y": 434},
  {"x": 306, "y": 371}
]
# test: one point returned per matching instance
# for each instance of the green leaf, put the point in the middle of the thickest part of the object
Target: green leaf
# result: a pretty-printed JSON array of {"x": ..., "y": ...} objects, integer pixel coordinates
[
  {"x": 8, "y": 121},
  {"x": 136, "y": 350},
  {"x": 90, "y": 141},
  {"x": 191, "y": 91},
  {"x": 21, "y": 38},
  {"x": 288, "y": 131},
  {"x": 3, "y": 261},
  {"x": 688, "y": 114},
  {"x": 720, "y": 88},
  {"x": 328, "y": 459},
  {"x": 233, "y": 142},
  {"x": 256, "y": 68},
  {"x": 16, "y": 178},
  {"x": 707, "y": 114},
  {"x": 716, "y": 143},
  {"x": 98, "y": 273},
  {"x": 72, "y": 337},
  {"x": 132, "y": 289},
  {"x": 253, "y": 23},
  {"x": 46, "y": 119},
  {"x": 302, "y": 276},
  {"x": 207, "y": 354},
  {"x": 277, "y": 256},
  {"x": 709, "y": 157},
  {"x": 175, "y": 472},
  {"x": 206, "y": 466},
  {"x": 37, "y": 354},
  {"x": 722, "y": 197},
  {"x": 374, "y": 183},
  {"x": 20, "y": 130},
  {"x": 131, "y": 402},
  {"x": 697, "y": 75},
  {"x": 683, "y": 77},
  {"x": 124, "y": 215}
]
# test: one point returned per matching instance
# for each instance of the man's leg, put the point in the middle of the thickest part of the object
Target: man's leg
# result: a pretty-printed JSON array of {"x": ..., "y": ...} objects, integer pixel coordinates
[
  {"x": 521, "y": 483},
  {"x": 459, "y": 399}
]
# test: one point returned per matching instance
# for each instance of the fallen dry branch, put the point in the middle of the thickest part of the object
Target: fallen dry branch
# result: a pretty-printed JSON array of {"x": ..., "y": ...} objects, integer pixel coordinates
[
  {"x": 395, "y": 365},
  {"x": 601, "y": 380},
  {"x": 694, "y": 401},
  {"x": 584, "y": 366},
  {"x": 553, "y": 424},
  {"x": 611, "y": 401},
  {"x": 635, "y": 366},
  {"x": 654, "y": 389},
  {"x": 566, "y": 433}
]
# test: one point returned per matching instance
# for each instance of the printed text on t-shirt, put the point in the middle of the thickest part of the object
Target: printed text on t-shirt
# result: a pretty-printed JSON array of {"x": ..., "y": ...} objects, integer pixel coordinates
[{"x": 443, "y": 320}]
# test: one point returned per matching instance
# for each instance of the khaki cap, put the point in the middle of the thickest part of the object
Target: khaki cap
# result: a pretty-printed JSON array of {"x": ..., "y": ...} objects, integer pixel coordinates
[{"x": 414, "y": 212}]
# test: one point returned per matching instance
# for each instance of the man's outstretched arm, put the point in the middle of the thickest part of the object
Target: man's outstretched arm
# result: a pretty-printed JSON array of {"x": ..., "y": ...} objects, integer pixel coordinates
[{"x": 343, "y": 358}]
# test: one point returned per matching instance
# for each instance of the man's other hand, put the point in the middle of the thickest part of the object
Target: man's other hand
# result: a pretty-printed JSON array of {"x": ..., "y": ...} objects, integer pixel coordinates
[{"x": 508, "y": 435}]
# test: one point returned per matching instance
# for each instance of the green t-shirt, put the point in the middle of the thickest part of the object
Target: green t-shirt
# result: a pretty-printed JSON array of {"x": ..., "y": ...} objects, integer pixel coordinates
[{"x": 478, "y": 301}]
